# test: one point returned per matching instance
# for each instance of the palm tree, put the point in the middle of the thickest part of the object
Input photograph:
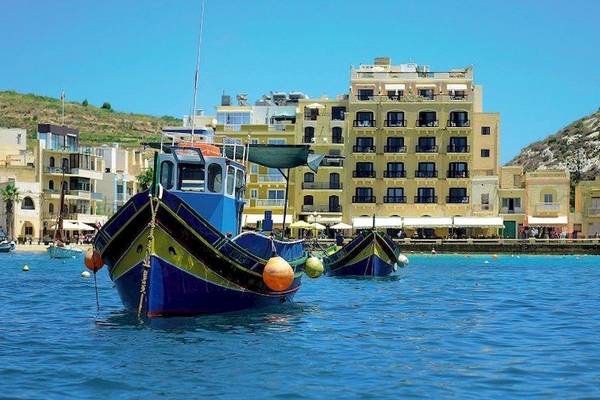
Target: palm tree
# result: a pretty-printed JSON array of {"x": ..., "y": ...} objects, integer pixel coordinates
[
  {"x": 10, "y": 196},
  {"x": 145, "y": 179}
]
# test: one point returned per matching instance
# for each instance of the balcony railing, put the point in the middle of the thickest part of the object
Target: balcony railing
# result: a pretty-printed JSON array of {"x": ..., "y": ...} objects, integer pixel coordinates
[
  {"x": 363, "y": 199},
  {"x": 321, "y": 208},
  {"x": 394, "y": 149},
  {"x": 269, "y": 202},
  {"x": 457, "y": 174},
  {"x": 426, "y": 149},
  {"x": 322, "y": 185},
  {"x": 271, "y": 178},
  {"x": 458, "y": 149},
  {"x": 394, "y": 199},
  {"x": 310, "y": 117},
  {"x": 514, "y": 210},
  {"x": 363, "y": 174},
  {"x": 426, "y": 199},
  {"x": 425, "y": 123},
  {"x": 394, "y": 174},
  {"x": 363, "y": 149},
  {"x": 337, "y": 140},
  {"x": 458, "y": 124},
  {"x": 332, "y": 162},
  {"x": 457, "y": 199},
  {"x": 426, "y": 174},
  {"x": 308, "y": 139},
  {"x": 394, "y": 123},
  {"x": 365, "y": 123}
]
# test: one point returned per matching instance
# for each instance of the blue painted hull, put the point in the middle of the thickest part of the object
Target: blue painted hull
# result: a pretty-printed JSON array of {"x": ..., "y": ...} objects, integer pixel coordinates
[
  {"x": 63, "y": 252},
  {"x": 370, "y": 266},
  {"x": 174, "y": 292}
]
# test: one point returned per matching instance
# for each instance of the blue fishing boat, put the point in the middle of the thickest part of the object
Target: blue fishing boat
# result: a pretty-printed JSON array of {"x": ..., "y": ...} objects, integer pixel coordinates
[
  {"x": 177, "y": 249},
  {"x": 370, "y": 253}
]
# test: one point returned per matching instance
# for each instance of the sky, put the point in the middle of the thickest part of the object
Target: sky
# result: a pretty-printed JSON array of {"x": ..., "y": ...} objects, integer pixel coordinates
[{"x": 537, "y": 60}]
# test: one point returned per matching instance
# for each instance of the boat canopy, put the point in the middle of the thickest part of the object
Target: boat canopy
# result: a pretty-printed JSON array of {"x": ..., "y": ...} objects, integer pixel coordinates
[{"x": 283, "y": 156}]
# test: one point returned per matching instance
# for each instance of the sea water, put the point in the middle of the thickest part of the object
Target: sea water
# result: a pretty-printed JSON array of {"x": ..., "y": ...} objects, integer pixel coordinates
[{"x": 445, "y": 327}]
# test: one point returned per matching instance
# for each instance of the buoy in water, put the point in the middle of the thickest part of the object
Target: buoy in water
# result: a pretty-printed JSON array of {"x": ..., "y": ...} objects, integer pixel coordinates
[
  {"x": 25, "y": 268},
  {"x": 433, "y": 251},
  {"x": 86, "y": 274},
  {"x": 486, "y": 262},
  {"x": 313, "y": 267},
  {"x": 93, "y": 261},
  {"x": 402, "y": 260},
  {"x": 495, "y": 256},
  {"x": 278, "y": 275}
]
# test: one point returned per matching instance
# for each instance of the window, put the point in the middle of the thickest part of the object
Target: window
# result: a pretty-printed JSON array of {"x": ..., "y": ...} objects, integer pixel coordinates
[
  {"x": 364, "y": 144},
  {"x": 276, "y": 194},
  {"x": 485, "y": 152},
  {"x": 457, "y": 195},
  {"x": 336, "y": 135},
  {"x": 427, "y": 118},
  {"x": 309, "y": 134},
  {"x": 166, "y": 174},
  {"x": 485, "y": 198},
  {"x": 239, "y": 183},
  {"x": 253, "y": 193},
  {"x": 254, "y": 141},
  {"x": 458, "y": 170},
  {"x": 458, "y": 145},
  {"x": 337, "y": 113},
  {"x": 19, "y": 138},
  {"x": 365, "y": 94},
  {"x": 334, "y": 204},
  {"x": 364, "y": 192},
  {"x": 426, "y": 170},
  {"x": 28, "y": 230},
  {"x": 395, "y": 170},
  {"x": 458, "y": 119},
  {"x": 191, "y": 177},
  {"x": 51, "y": 184},
  {"x": 308, "y": 200},
  {"x": 426, "y": 93},
  {"x": 548, "y": 198},
  {"x": 27, "y": 204},
  {"x": 595, "y": 204},
  {"x": 51, "y": 162},
  {"x": 230, "y": 179},
  {"x": 426, "y": 145},
  {"x": 334, "y": 181},
  {"x": 215, "y": 178},
  {"x": 51, "y": 208},
  {"x": 485, "y": 130},
  {"x": 426, "y": 195},
  {"x": 254, "y": 169},
  {"x": 395, "y": 192},
  {"x": 309, "y": 177},
  {"x": 233, "y": 118},
  {"x": 395, "y": 118},
  {"x": 364, "y": 118},
  {"x": 275, "y": 141}
]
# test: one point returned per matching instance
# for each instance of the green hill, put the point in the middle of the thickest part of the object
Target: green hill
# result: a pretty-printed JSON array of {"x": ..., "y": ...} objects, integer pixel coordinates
[{"x": 96, "y": 125}]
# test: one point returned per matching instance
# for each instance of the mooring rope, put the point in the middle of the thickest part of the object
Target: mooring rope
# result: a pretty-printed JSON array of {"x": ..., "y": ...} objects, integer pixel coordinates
[{"x": 149, "y": 249}]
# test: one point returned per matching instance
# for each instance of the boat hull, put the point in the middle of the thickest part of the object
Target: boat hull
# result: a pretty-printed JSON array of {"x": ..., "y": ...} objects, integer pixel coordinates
[
  {"x": 192, "y": 268},
  {"x": 63, "y": 252},
  {"x": 370, "y": 254}
]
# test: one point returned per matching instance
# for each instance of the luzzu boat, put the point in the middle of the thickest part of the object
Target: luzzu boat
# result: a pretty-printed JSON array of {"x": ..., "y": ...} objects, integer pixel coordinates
[
  {"x": 171, "y": 251},
  {"x": 370, "y": 253}
]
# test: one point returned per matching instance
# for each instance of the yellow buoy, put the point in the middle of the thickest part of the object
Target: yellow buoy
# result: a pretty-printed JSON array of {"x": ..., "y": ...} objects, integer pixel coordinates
[
  {"x": 314, "y": 267},
  {"x": 278, "y": 275},
  {"x": 25, "y": 268}
]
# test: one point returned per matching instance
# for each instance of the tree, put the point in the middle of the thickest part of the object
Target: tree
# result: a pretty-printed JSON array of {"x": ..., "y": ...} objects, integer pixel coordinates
[
  {"x": 84, "y": 103},
  {"x": 10, "y": 196},
  {"x": 145, "y": 179},
  {"x": 106, "y": 106}
]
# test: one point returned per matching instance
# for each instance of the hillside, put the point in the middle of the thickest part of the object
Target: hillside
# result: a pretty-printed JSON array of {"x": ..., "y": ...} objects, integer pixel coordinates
[
  {"x": 96, "y": 125},
  {"x": 576, "y": 147}
]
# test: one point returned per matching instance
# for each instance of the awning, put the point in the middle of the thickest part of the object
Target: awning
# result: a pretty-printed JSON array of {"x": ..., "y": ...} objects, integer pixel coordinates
[
  {"x": 478, "y": 222},
  {"x": 395, "y": 86},
  {"x": 75, "y": 226},
  {"x": 425, "y": 85},
  {"x": 380, "y": 222},
  {"x": 279, "y": 155},
  {"x": 456, "y": 86},
  {"x": 547, "y": 221},
  {"x": 427, "y": 222},
  {"x": 316, "y": 106},
  {"x": 252, "y": 219},
  {"x": 330, "y": 220},
  {"x": 341, "y": 226},
  {"x": 362, "y": 222}
]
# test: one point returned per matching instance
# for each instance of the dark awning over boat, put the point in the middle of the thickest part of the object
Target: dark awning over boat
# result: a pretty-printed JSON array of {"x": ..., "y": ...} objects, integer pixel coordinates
[{"x": 284, "y": 156}]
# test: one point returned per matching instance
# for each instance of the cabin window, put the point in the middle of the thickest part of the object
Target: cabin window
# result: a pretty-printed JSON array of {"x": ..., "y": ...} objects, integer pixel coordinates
[
  {"x": 191, "y": 177},
  {"x": 215, "y": 178},
  {"x": 166, "y": 174},
  {"x": 230, "y": 180},
  {"x": 239, "y": 182}
]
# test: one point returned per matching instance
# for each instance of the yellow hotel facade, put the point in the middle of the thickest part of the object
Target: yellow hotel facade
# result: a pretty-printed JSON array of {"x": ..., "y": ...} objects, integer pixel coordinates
[{"x": 405, "y": 144}]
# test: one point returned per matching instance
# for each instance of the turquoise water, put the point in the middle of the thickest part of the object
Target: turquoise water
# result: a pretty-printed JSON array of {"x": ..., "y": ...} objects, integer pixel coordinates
[{"x": 446, "y": 327}]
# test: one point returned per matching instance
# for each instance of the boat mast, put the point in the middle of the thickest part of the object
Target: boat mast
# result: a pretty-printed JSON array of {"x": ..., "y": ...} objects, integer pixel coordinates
[
  {"x": 197, "y": 74},
  {"x": 58, "y": 232}
]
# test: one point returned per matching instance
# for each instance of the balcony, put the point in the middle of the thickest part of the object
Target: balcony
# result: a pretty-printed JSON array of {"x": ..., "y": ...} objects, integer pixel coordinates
[
  {"x": 458, "y": 149},
  {"x": 394, "y": 149},
  {"x": 457, "y": 174},
  {"x": 457, "y": 199},
  {"x": 426, "y": 149},
  {"x": 310, "y": 117},
  {"x": 423, "y": 123},
  {"x": 365, "y": 97},
  {"x": 322, "y": 185},
  {"x": 394, "y": 174},
  {"x": 366, "y": 123},
  {"x": 426, "y": 199},
  {"x": 363, "y": 199},
  {"x": 394, "y": 199},
  {"x": 458, "y": 124},
  {"x": 322, "y": 208},
  {"x": 547, "y": 207},
  {"x": 363, "y": 149},
  {"x": 394, "y": 123},
  {"x": 513, "y": 210},
  {"x": 274, "y": 203},
  {"x": 271, "y": 178},
  {"x": 333, "y": 162},
  {"x": 337, "y": 140},
  {"x": 426, "y": 174},
  {"x": 363, "y": 174}
]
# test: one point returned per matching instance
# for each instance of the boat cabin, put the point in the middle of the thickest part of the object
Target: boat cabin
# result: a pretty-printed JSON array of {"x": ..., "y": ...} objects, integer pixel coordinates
[{"x": 210, "y": 183}]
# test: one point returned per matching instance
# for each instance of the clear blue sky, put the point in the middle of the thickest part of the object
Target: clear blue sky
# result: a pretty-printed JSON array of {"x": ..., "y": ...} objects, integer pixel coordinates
[{"x": 537, "y": 60}]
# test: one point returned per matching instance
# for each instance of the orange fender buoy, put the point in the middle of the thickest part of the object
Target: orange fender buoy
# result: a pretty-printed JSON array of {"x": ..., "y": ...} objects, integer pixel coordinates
[
  {"x": 93, "y": 261},
  {"x": 278, "y": 275}
]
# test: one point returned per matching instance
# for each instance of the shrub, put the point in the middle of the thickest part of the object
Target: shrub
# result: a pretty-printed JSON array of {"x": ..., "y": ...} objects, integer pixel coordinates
[
  {"x": 106, "y": 106},
  {"x": 85, "y": 103}
]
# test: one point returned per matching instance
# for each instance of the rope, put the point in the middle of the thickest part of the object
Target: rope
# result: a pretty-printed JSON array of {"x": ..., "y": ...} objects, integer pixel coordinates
[
  {"x": 149, "y": 249},
  {"x": 96, "y": 287}
]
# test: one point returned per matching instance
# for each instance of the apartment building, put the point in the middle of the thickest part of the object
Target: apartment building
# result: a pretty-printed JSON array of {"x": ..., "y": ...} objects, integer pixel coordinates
[{"x": 586, "y": 221}]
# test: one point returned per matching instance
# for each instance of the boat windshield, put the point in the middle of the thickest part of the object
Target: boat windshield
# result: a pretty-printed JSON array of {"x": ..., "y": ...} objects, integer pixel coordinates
[{"x": 191, "y": 177}]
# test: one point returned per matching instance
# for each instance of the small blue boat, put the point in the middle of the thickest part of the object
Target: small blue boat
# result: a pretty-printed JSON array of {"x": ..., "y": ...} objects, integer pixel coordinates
[
  {"x": 63, "y": 252},
  {"x": 370, "y": 253},
  {"x": 176, "y": 250}
]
